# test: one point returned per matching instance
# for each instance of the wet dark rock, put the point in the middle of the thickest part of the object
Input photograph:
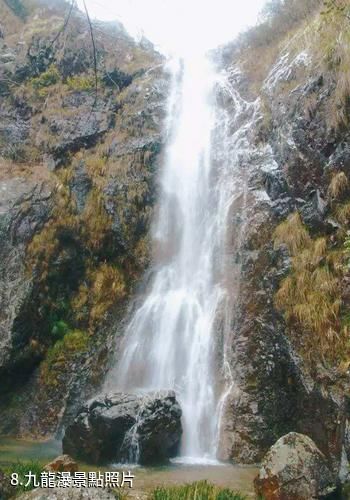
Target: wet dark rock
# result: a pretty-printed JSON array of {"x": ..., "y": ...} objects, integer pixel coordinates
[
  {"x": 126, "y": 427},
  {"x": 151, "y": 144},
  {"x": 14, "y": 131},
  {"x": 80, "y": 129},
  {"x": 313, "y": 213},
  {"x": 340, "y": 159},
  {"x": 295, "y": 469},
  {"x": 25, "y": 206},
  {"x": 276, "y": 185},
  {"x": 74, "y": 61},
  {"x": 40, "y": 55},
  {"x": 116, "y": 78},
  {"x": 273, "y": 393}
]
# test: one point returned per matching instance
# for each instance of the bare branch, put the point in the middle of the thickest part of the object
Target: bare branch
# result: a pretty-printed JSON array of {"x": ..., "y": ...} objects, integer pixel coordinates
[
  {"x": 94, "y": 50},
  {"x": 65, "y": 24}
]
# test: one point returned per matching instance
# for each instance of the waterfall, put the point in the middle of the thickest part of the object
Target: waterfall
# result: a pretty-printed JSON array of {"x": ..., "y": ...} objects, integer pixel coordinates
[{"x": 170, "y": 341}]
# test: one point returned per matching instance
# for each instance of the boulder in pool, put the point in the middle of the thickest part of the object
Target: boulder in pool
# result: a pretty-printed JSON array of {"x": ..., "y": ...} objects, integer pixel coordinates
[
  {"x": 294, "y": 469},
  {"x": 141, "y": 428}
]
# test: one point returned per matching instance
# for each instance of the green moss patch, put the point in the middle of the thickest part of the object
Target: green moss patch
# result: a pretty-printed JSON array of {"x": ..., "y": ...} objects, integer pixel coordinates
[{"x": 63, "y": 351}]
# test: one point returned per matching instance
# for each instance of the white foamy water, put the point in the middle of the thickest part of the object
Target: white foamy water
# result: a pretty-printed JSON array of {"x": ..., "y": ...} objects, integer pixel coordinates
[{"x": 171, "y": 342}]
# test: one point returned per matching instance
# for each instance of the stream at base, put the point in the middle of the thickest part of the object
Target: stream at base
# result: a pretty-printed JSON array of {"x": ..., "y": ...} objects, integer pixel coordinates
[{"x": 146, "y": 478}]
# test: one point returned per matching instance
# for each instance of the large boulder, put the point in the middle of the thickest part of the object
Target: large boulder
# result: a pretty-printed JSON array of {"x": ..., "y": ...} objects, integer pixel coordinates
[
  {"x": 294, "y": 469},
  {"x": 123, "y": 427}
]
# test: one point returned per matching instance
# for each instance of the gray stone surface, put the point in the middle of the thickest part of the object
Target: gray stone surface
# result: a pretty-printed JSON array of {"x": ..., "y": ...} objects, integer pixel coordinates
[
  {"x": 122, "y": 427},
  {"x": 294, "y": 469}
]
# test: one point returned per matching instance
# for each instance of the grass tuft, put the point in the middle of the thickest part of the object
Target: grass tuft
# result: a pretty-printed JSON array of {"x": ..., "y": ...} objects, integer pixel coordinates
[
  {"x": 81, "y": 82},
  {"x": 292, "y": 233},
  {"x": 338, "y": 186},
  {"x": 23, "y": 469},
  {"x": 311, "y": 296},
  {"x": 201, "y": 490}
]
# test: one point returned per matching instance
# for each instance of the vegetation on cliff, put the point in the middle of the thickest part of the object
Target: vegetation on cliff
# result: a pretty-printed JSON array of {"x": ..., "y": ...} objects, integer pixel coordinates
[
  {"x": 84, "y": 259},
  {"x": 297, "y": 63},
  {"x": 317, "y": 26},
  {"x": 315, "y": 294},
  {"x": 311, "y": 295},
  {"x": 291, "y": 340}
]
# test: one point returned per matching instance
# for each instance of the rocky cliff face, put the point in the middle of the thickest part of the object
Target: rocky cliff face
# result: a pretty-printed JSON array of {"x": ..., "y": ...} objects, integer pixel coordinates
[
  {"x": 289, "y": 343},
  {"x": 78, "y": 157}
]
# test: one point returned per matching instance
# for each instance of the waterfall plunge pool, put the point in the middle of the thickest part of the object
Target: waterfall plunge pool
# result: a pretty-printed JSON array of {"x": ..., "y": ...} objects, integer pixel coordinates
[{"x": 146, "y": 478}]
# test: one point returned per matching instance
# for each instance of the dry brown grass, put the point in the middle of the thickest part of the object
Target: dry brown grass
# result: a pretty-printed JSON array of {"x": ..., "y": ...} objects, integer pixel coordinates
[
  {"x": 339, "y": 186},
  {"x": 342, "y": 213},
  {"x": 310, "y": 297},
  {"x": 293, "y": 234},
  {"x": 105, "y": 287},
  {"x": 95, "y": 221}
]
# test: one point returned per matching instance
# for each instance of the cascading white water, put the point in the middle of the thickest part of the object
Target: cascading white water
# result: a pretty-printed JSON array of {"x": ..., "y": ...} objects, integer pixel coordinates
[{"x": 170, "y": 341}]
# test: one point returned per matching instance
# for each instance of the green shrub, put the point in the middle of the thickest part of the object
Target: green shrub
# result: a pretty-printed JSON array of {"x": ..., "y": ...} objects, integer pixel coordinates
[
  {"x": 59, "y": 329},
  {"x": 23, "y": 469},
  {"x": 49, "y": 77},
  {"x": 75, "y": 342},
  {"x": 81, "y": 82},
  {"x": 201, "y": 490}
]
